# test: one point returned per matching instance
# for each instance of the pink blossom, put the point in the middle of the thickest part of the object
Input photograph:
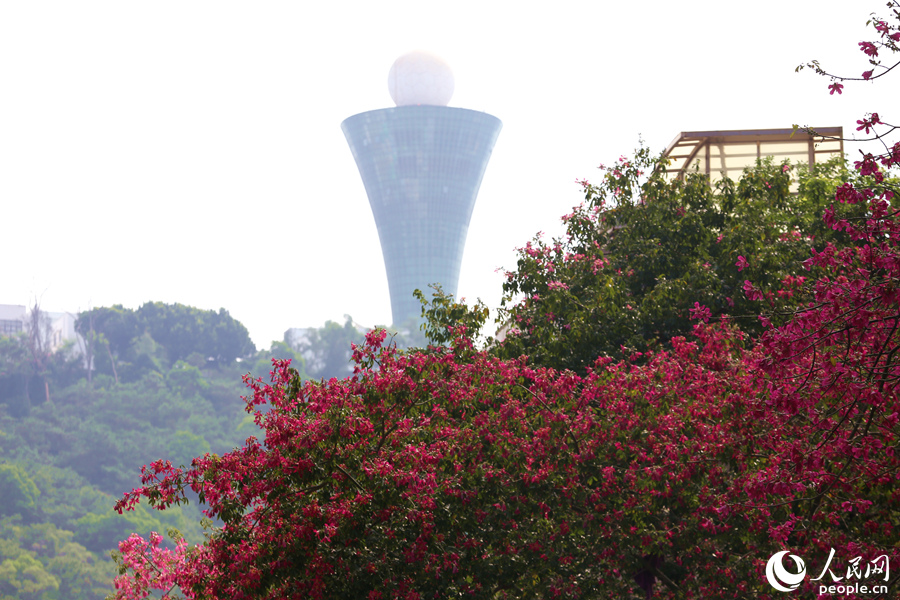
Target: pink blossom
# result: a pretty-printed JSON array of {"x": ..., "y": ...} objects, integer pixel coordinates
[
  {"x": 836, "y": 87},
  {"x": 742, "y": 263},
  {"x": 869, "y": 123},
  {"x": 869, "y": 48},
  {"x": 751, "y": 292},
  {"x": 866, "y": 166},
  {"x": 700, "y": 312}
]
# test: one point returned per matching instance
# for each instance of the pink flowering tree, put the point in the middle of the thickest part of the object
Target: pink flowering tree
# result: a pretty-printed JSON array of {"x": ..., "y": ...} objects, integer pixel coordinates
[{"x": 429, "y": 475}]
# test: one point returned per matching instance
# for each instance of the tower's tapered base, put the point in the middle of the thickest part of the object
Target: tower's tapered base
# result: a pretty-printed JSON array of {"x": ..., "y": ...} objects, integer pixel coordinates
[{"x": 422, "y": 167}]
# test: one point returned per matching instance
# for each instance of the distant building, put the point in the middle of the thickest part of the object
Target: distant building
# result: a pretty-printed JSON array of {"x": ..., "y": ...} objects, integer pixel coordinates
[
  {"x": 12, "y": 319},
  {"x": 62, "y": 330},
  {"x": 728, "y": 153},
  {"x": 58, "y": 327},
  {"x": 422, "y": 163}
]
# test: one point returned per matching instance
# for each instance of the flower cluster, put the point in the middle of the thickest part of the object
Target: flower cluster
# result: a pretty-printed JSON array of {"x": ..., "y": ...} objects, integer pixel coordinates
[{"x": 150, "y": 566}]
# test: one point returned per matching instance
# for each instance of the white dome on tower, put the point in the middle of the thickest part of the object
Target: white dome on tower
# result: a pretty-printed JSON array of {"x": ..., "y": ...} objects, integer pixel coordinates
[{"x": 420, "y": 78}]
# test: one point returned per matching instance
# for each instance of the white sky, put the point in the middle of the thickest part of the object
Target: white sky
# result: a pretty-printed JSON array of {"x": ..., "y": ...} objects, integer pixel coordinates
[{"x": 188, "y": 151}]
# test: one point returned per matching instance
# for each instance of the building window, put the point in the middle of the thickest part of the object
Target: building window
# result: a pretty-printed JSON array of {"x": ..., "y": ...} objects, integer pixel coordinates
[{"x": 10, "y": 327}]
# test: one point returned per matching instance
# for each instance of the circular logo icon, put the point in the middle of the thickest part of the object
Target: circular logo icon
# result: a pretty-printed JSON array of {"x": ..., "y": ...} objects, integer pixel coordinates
[{"x": 780, "y": 578}]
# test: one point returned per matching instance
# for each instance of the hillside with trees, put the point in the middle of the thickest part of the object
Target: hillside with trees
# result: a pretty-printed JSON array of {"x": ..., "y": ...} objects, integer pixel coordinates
[{"x": 165, "y": 382}]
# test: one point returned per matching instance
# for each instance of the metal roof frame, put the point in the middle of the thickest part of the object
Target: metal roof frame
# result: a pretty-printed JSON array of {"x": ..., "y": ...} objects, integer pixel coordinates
[{"x": 686, "y": 148}]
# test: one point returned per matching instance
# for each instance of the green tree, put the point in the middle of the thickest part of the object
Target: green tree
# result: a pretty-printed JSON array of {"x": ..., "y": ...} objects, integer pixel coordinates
[
  {"x": 101, "y": 532},
  {"x": 183, "y": 446},
  {"x": 183, "y": 330},
  {"x": 127, "y": 344},
  {"x": 23, "y": 577},
  {"x": 18, "y": 491},
  {"x": 643, "y": 250},
  {"x": 262, "y": 364},
  {"x": 15, "y": 370},
  {"x": 27, "y": 364},
  {"x": 327, "y": 350},
  {"x": 37, "y": 338},
  {"x": 445, "y": 319},
  {"x": 112, "y": 330},
  {"x": 186, "y": 379},
  {"x": 80, "y": 574}
]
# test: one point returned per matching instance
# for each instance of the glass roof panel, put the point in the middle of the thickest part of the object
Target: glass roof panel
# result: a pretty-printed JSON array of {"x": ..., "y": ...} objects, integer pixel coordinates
[
  {"x": 829, "y": 146},
  {"x": 783, "y": 149}
]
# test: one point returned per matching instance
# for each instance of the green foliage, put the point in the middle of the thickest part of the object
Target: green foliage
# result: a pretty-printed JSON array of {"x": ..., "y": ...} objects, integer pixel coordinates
[
  {"x": 105, "y": 432},
  {"x": 643, "y": 249},
  {"x": 22, "y": 379},
  {"x": 66, "y": 496},
  {"x": 66, "y": 366},
  {"x": 99, "y": 532},
  {"x": 186, "y": 379},
  {"x": 43, "y": 561},
  {"x": 327, "y": 349},
  {"x": 13, "y": 354},
  {"x": 25, "y": 578},
  {"x": 65, "y": 464},
  {"x": 118, "y": 325},
  {"x": 262, "y": 364},
  {"x": 130, "y": 343},
  {"x": 184, "y": 446},
  {"x": 444, "y": 318},
  {"x": 15, "y": 371},
  {"x": 154, "y": 394},
  {"x": 183, "y": 330},
  {"x": 18, "y": 491},
  {"x": 146, "y": 356}
]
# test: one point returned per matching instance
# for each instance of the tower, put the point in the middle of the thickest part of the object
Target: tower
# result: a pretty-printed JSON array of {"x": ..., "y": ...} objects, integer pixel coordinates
[{"x": 421, "y": 163}]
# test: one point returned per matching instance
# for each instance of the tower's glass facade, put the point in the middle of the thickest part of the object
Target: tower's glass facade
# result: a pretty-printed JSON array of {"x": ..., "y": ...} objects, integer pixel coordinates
[{"x": 422, "y": 167}]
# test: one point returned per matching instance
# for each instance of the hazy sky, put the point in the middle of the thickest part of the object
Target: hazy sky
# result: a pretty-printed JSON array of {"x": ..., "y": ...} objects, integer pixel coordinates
[{"x": 191, "y": 151}]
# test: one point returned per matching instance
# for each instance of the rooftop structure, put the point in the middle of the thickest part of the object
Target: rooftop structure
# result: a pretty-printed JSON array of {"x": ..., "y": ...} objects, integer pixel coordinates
[
  {"x": 422, "y": 163},
  {"x": 727, "y": 153}
]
